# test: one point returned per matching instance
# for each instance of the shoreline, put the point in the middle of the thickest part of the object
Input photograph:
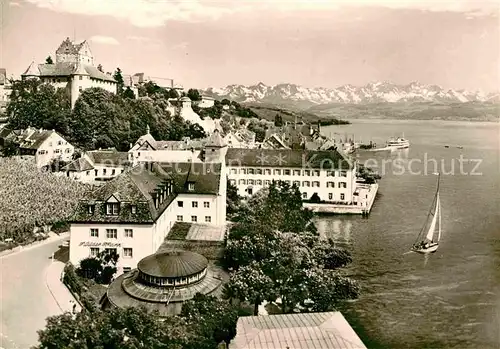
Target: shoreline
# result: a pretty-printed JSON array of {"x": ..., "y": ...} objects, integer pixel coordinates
[{"x": 441, "y": 121}]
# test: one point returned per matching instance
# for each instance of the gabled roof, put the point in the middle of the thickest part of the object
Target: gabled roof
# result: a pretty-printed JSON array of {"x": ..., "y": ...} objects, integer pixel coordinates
[
  {"x": 57, "y": 69},
  {"x": 32, "y": 70},
  {"x": 205, "y": 177},
  {"x": 79, "y": 165},
  {"x": 327, "y": 330},
  {"x": 29, "y": 138},
  {"x": 215, "y": 140},
  {"x": 108, "y": 157},
  {"x": 97, "y": 74},
  {"x": 287, "y": 158},
  {"x": 67, "y": 47}
]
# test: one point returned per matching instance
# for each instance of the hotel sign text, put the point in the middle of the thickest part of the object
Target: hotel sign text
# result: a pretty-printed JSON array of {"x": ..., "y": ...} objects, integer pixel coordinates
[{"x": 99, "y": 244}]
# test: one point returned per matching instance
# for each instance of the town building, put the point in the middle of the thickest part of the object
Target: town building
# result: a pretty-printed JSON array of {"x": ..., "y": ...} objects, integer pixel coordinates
[
  {"x": 46, "y": 146},
  {"x": 163, "y": 281},
  {"x": 5, "y": 90},
  {"x": 326, "y": 176},
  {"x": 206, "y": 102},
  {"x": 97, "y": 166},
  {"x": 73, "y": 70},
  {"x": 326, "y": 330},
  {"x": 133, "y": 213},
  {"x": 241, "y": 138}
]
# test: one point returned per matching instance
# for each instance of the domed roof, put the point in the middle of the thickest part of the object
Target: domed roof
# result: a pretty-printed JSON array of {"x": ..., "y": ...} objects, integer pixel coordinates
[{"x": 173, "y": 264}]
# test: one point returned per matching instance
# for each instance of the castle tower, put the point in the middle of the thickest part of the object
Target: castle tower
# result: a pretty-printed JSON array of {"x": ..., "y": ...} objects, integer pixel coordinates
[
  {"x": 77, "y": 84},
  {"x": 215, "y": 148}
]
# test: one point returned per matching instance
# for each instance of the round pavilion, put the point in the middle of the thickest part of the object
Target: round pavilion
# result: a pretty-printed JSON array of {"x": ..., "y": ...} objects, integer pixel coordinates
[{"x": 163, "y": 281}]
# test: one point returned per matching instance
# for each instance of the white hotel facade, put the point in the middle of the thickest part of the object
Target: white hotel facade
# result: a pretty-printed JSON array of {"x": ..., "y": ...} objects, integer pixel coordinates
[{"x": 328, "y": 174}]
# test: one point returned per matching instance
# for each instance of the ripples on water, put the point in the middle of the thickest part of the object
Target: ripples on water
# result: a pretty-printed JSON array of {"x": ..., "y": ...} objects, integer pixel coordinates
[{"x": 450, "y": 299}]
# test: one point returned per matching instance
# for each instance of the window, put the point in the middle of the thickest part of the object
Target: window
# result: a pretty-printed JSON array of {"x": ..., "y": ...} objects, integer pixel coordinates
[
  {"x": 307, "y": 172},
  {"x": 296, "y": 172},
  {"x": 129, "y": 233},
  {"x": 179, "y": 218},
  {"x": 330, "y": 173},
  {"x": 94, "y": 251},
  {"x": 250, "y": 191},
  {"x": 111, "y": 234},
  {"x": 57, "y": 151},
  {"x": 316, "y": 173},
  {"x": 67, "y": 150},
  {"x": 110, "y": 251},
  {"x": 91, "y": 209},
  {"x": 194, "y": 204},
  {"x": 104, "y": 171},
  {"x": 126, "y": 269},
  {"x": 342, "y": 196},
  {"x": 194, "y": 219},
  {"x": 206, "y": 204},
  {"x": 250, "y": 182},
  {"x": 242, "y": 181},
  {"x": 315, "y": 184},
  {"x": 80, "y": 88},
  {"x": 133, "y": 209},
  {"x": 191, "y": 186},
  {"x": 306, "y": 184},
  {"x": 180, "y": 203},
  {"x": 304, "y": 195},
  {"x": 330, "y": 196},
  {"x": 277, "y": 172},
  {"x": 330, "y": 184},
  {"x": 258, "y": 171},
  {"x": 343, "y": 174},
  {"x": 113, "y": 171},
  {"x": 267, "y": 172},
  {"x": 208, "y": 219},
  {"x": 59, "y": 142},
  {"x": 243, "y": 171},
  {"x": 234, "y": 171},
  {"x": 94, "y": 233},
  {"x": 287, "y": 172},
  {"x": 267, "y": 182},
  {"x": 41, "y": 152},
  {"x": 342, "y": 185},
  {"x": 112, "y": 208},
  {"x": 232, "y": 181},
  {"x": 87, "y": 173},
  {"x": 96, "y": 172},
  {"x": 250, "y": 171},
  {"x": 127, "y": 252},
  {"x": 258, "y": 182},
  {"x": 81, "y": 77}
]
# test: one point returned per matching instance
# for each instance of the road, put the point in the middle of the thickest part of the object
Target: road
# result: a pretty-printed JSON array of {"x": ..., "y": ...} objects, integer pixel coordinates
[{"x": 25, "y": 300}]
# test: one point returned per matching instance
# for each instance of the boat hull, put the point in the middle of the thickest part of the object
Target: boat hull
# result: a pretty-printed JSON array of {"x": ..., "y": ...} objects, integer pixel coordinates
[{"x": 432, "y": 248}]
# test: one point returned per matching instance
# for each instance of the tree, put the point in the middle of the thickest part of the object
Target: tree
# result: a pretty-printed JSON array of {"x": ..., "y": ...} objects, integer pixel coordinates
[
  {"x": 119, "y": 81},
  {"x": 216, "y": 318},
  {"x": 100, "y": 268},
  {"x": 128, "y": 93},
  {"x": 99, "y": 67},
  {"x": 127, "y": 328},
  {"x": 35, "y": 104},
  {"x": 9, "y": 149},
  {"x": 233, "y": 200},
  {"x": 278, "y": 120},
  {"x": 49, "y": 60},
  {"x": 194, "y": 95},
  {"x": 275, "y": 254}
]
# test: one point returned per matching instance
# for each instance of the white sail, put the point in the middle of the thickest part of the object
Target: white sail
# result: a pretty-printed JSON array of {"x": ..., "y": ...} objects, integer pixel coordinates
[
  {"x": 430, "y": 232},
  {"x": 439, "y": 218}
]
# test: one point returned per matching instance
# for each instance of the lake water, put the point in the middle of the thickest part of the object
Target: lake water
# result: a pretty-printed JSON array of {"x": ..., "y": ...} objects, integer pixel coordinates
[{"x": 449, "y": 299}]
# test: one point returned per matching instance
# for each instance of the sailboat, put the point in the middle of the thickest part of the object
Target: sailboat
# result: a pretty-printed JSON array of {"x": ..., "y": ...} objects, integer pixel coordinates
[{"x": 426, "y": 241}]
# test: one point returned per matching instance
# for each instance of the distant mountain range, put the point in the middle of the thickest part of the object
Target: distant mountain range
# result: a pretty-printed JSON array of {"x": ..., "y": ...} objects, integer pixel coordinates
[{"x": 374, "y": 92}]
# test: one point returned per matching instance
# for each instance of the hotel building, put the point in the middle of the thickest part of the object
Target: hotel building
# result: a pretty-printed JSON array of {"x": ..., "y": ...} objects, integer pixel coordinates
[
  {"x": 132, "y": 214},
  {"x": 328, "y": 175}
]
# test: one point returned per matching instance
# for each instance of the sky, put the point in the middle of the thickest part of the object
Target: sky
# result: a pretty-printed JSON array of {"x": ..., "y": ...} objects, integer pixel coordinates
[{"x": 208, "y": 43}]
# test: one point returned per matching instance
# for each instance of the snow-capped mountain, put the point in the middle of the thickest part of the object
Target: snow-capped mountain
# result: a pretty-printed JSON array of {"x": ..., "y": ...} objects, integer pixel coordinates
[{"x": 370, "y": 93}]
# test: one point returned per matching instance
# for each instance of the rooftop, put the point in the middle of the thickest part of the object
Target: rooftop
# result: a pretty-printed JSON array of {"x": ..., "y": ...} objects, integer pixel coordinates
[
  {"x": 65, "y": 69},
  {"x": 287, "y": 158},
  {"x": 173, "y": 264},
  {"x": 327, "y": 330}
]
